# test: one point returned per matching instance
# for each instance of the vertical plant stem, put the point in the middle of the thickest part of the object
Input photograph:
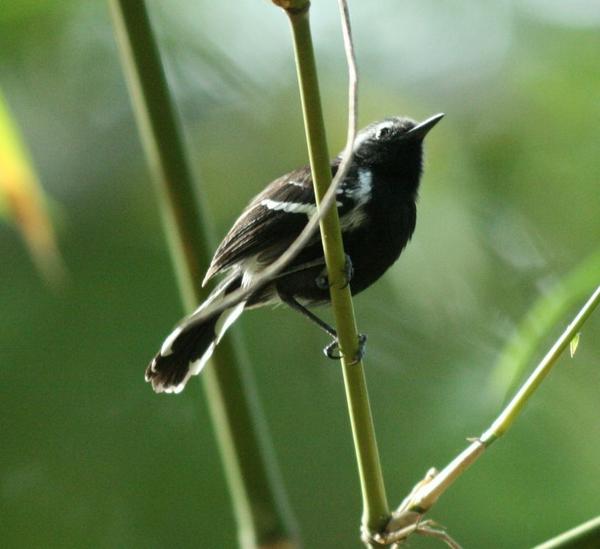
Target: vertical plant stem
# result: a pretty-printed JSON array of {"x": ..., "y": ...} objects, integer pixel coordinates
[
  {"x": 375, "y": 506},
  {"x": 260, "y": 506}
]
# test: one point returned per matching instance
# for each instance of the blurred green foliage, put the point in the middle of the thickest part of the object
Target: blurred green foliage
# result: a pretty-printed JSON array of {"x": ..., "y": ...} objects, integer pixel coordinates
[{"x": 510, "y": 203}]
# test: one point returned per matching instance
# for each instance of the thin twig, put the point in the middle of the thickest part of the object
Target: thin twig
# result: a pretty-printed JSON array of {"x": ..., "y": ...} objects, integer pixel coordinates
[
  {"x": 434, "y": 485},
  {"x": 584, "y": 535},
  {"x": 352, "y": 91},
  {"x": 542, "y": 316},
  {"x": 507, "y": 417}
]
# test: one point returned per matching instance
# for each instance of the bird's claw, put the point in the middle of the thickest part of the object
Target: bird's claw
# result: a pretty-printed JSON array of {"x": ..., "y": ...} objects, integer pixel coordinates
[
  {"x": 333, "y": 349},
  {"x": 322, "y": 281}
]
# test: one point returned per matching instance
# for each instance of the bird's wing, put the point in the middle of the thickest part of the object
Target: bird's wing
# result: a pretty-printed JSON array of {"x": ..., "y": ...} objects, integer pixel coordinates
[{"x": 270, "y": 222}]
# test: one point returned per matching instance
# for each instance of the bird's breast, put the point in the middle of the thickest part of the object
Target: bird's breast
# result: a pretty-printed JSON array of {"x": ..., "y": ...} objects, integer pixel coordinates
[{"x": 377, "y": 243}]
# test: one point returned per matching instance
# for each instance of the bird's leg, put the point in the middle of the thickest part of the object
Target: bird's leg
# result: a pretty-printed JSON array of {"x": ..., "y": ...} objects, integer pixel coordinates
[
  {"x": 291, "y": 302},
  {"x": 333, "y": 349},
  {"x": 322, "y": 281}
]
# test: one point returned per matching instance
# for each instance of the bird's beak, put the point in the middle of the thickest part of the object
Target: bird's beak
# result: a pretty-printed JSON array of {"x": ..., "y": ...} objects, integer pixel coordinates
[{"x": 422, "y": 129}]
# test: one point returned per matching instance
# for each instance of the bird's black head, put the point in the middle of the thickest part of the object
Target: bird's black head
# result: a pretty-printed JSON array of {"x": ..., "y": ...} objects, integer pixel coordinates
[{"x": 394, "y": 145}]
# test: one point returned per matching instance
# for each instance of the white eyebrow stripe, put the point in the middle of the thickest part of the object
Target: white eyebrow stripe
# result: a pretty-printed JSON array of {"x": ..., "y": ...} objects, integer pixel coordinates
[
  {"x": 372, "y": 132},
  {"x": 295, "y": 183},
  {"x": 386, "y": 124}
]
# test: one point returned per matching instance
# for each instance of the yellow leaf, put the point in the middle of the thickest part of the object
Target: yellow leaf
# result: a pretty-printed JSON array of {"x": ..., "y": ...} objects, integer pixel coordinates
[{"x": 22, "y": 199}]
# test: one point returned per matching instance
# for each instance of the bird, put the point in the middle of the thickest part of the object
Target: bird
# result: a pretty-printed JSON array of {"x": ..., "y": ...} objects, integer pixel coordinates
[{"x": 376, "y": 203}]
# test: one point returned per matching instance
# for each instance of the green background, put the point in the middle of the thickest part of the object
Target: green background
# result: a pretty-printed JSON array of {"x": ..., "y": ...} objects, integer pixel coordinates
[{"x": 510, "y": 203}]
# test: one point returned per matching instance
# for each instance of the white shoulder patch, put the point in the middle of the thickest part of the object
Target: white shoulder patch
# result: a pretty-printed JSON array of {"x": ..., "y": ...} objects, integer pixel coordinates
[
  {"x": 288, "y": 207},
  {"x": 365, "y": 185},
  {"x": 361, "y": 194}
]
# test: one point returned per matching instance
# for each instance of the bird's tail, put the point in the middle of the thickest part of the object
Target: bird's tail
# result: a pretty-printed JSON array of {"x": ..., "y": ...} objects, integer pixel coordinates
[{"x": 188, "y": 347}]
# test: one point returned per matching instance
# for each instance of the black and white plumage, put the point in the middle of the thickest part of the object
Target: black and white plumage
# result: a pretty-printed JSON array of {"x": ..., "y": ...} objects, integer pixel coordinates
[{"x": 376, "y": 203}]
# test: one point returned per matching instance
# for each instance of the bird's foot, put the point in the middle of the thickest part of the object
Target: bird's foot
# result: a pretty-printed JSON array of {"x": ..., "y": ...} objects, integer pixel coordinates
[
  {"x": 333, "y": 349},
  {"x": 322, "y": 281}
]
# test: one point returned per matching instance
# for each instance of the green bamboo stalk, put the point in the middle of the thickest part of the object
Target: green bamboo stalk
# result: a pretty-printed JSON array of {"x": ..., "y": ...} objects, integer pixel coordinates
[
  {"x": 260, "y": 506},
  {"x": 375, "y": 506}
]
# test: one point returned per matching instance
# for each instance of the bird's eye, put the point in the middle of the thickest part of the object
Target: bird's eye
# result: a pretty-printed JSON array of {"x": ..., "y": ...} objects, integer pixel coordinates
[{"x": 382, "y": 133}]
